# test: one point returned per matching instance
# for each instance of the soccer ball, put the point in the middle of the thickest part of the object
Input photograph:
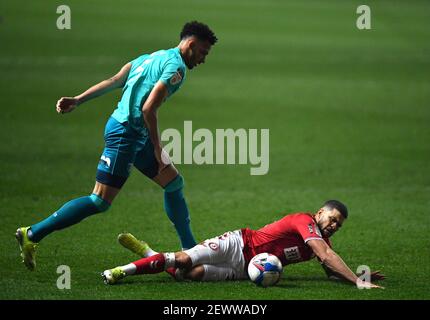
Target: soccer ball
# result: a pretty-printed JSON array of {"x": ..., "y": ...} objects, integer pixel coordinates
[{"x": 265, "y": 269}]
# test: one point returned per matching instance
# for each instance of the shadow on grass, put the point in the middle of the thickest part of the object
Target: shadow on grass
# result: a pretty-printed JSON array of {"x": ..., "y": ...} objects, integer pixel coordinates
[
  {"x": 316, "y": 279},
  {"x": 145, "y": 280},
  {"x": 287, "y": 286},
  {"x": 304, "y": 278},
  {"x": 142, "y": 281}
]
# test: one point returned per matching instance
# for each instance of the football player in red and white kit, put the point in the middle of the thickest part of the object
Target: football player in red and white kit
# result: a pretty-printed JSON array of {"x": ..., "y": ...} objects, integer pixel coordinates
[{"x": 294, "y": 238}]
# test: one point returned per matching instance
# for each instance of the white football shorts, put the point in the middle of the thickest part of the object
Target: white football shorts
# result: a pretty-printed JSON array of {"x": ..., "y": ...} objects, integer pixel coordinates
[{"x": 221, "y": 257}]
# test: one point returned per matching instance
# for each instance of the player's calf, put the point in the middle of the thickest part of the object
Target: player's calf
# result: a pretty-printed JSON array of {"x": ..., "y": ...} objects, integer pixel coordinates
[
  {"x": 154, "y": 264},
  {"x": 195, "y": 274}
]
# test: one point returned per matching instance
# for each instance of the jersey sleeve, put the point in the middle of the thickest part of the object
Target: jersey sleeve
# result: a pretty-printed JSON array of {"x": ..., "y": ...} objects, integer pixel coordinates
[
  {"x": 172, "y": 76},
  {"x": 137, "y": 62},
  {"x": 307, "y": 228}
]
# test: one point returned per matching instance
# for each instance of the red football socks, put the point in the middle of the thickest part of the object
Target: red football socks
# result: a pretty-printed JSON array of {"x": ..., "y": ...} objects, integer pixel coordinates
[
  {"x": 152, "y": 264},
  {"x": 172, "y": 272}
]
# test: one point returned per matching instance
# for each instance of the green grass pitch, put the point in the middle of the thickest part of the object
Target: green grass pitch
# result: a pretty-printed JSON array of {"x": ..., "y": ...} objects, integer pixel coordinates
[{"x": 348, "y": 113}]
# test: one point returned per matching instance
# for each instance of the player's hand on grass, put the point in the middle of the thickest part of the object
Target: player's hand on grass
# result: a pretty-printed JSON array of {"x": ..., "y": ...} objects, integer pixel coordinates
[
  {"x": 368, "y": 285},
  {"x": 377, "y": 275},
  {"x": 66, "y": 104}
]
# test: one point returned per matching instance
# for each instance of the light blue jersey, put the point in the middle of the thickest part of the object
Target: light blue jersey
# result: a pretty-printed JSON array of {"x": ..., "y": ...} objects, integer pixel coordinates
[{"x": 164, "y": 65}]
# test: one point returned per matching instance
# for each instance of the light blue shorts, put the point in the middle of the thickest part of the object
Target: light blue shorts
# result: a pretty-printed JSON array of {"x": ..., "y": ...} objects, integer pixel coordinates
[{"x": 124, "y": 148}]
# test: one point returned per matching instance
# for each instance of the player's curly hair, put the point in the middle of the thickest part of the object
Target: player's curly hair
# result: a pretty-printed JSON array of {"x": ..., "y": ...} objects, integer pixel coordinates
[
  {"x": 335, "y": 204},
  {"x": 200, "y": 30}
]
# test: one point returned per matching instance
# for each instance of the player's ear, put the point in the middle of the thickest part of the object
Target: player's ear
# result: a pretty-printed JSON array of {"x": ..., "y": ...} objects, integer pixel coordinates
[{"x": 193, "y": 43}]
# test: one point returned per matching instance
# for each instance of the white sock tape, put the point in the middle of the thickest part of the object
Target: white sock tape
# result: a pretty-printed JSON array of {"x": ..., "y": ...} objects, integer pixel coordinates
[{"x": 170, "y": 260}]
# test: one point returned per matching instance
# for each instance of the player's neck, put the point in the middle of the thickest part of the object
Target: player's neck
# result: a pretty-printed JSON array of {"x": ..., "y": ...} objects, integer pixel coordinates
[{"x": 182, "y": 48}]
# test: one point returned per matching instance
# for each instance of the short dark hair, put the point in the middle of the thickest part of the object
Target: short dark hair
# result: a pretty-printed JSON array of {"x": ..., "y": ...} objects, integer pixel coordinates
[
  {"x": 335, "y": 204},
  {"x": 200, "y": 30}
]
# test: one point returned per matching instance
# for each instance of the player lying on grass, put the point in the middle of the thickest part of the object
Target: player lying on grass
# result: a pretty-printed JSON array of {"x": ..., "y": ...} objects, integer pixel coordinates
[
  {"x": 294, "y": 238},
  {"x": 132, "y": 138}
]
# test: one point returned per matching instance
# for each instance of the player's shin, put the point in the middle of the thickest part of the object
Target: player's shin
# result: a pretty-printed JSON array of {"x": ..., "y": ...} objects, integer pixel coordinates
[
  {"x": 177, "y": 211},
  {"x": 69, "y": 214},
  {"x": 155, "y": 264}
]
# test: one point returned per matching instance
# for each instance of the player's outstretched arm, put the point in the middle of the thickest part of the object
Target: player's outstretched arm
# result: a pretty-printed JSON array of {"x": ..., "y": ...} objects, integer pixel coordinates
[
  {"x": 335, "y": 265},
  {"x": 374, "y": 276},
  {"x": 68, "y": 104}
]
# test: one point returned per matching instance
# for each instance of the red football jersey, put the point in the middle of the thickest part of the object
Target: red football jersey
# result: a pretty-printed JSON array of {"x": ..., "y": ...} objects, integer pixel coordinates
[{"x": 285, "y": 238}]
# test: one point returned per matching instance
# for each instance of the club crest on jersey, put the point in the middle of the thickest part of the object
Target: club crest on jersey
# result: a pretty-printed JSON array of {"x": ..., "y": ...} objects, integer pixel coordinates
[
  {"x": 213, "y": 246},
  {"x": 177, "y": 77},
  {"x": 311, "y": 229}
]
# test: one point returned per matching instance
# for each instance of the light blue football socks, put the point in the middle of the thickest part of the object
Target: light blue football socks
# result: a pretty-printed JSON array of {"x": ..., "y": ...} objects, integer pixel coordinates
[
  {"x": 177, "y": 211},
  {"x": 78, "y": 209},
  {"x": 69, "y": 214}
]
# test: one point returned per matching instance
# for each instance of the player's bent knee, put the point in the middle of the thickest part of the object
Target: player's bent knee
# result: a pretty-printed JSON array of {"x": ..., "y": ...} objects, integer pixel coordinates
[
  {"x": 109, "y": 179},
  {"x": 105, "y": 192},
  {"x": 99, "y": 203},
  {"x": 183, "y": 260},
  {"x": 176, "y": 184},
  {"x": 195, "y": 274}
]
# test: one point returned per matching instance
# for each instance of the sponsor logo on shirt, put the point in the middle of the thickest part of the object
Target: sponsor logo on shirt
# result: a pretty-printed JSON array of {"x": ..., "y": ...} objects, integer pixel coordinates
[{"x": 292, "y": 254}]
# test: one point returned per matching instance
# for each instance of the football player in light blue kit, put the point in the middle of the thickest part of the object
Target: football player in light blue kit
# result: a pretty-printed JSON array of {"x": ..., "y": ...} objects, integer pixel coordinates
[{"x": 132, "y": 138}]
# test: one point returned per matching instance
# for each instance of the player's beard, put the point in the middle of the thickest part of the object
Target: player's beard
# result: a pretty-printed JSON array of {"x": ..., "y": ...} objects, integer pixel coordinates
[
  {"x": 323, "y": 224},
  {"x": 327, "y": 232},
  {"x": 324, "y": 231}
]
